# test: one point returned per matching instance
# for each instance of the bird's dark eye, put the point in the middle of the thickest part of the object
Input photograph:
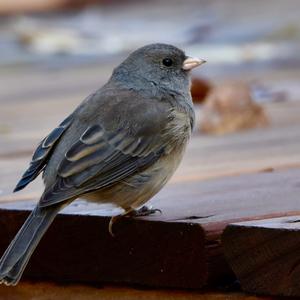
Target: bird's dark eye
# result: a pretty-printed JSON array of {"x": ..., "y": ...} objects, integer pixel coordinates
[{"x": 168, "y": 62}]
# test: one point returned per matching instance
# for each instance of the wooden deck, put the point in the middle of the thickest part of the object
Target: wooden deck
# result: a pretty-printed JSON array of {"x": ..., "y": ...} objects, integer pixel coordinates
[
  {"x": 46, "y": 291},
  {"x": 245, "y": 176},
  {"x": 265, "y": 254}
]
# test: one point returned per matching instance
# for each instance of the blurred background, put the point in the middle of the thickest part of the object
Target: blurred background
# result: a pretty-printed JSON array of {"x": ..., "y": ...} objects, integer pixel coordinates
[
  {"x": 55, "y": 52},
  {"x": 75, "y": 43}
]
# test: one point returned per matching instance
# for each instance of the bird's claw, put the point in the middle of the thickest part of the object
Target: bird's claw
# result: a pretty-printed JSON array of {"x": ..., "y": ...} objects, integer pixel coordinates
[
  {"x": 144, "y": 211},
  {"x": 141, "y": 212}
]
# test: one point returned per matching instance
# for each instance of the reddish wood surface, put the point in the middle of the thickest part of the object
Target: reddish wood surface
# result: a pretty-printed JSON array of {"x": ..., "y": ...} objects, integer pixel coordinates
[
  {"x": 180, "y": 248},
  {"x": 50, "y": 291},
  {"x": 265, "y": 255},
  {"x": 78, "y": 248},
  {"x": 28, "y": 114}
]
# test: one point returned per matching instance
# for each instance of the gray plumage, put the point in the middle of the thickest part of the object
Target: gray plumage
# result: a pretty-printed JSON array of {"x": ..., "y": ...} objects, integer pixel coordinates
[{"x": 121, "y": 145}]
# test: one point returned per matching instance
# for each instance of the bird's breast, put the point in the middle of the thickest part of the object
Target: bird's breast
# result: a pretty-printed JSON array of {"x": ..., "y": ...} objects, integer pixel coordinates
[{"x": 178, "y": 130}]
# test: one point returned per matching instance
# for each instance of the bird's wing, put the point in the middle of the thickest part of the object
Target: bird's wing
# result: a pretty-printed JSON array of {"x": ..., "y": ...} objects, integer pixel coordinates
[
  {"x": 98, "y": 159},
  {"x": 42, "y": 154}
]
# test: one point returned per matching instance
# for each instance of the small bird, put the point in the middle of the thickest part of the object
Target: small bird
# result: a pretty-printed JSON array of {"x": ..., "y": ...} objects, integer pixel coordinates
[{"x": 120, "y": 145}]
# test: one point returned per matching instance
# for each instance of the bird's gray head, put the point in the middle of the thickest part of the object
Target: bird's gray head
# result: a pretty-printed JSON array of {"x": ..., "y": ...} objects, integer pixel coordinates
[{"x": 157, "y": 67}]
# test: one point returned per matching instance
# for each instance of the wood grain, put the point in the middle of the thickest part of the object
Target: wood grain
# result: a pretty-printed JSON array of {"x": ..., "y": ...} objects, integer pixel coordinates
[
  {"x": 206, "y": 156},
  {"x": 265, "y": 255},
  {"x": 179, "y": 248},
  {"x": 46, "y": 291}
]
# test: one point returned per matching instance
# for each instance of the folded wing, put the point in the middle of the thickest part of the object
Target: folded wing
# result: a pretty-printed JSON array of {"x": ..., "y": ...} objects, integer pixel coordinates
[
  {"x": 42, "y": 154},
  {"x": 99, "y": 159}
]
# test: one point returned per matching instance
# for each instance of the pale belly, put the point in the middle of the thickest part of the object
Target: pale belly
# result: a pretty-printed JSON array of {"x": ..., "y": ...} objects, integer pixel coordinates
[{"x": 136, "y": 190}]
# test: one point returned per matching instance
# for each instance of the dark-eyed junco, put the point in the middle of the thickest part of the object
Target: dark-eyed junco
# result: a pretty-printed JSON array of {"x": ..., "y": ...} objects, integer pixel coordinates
[{"x": 120, "y": 145}]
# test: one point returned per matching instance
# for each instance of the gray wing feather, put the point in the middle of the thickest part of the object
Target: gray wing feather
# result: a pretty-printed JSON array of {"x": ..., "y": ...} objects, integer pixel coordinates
[
  {"x": 42, "y": 154},
  {"x": 100, "y": 159}
]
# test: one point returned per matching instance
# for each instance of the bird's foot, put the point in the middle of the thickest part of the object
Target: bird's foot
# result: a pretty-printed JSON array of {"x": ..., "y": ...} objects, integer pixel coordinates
[{"x": 141, "y": 212}]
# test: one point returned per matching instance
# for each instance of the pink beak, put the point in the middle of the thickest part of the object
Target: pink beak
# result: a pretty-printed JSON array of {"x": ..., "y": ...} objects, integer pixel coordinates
[{"x": 192, "y": 62}]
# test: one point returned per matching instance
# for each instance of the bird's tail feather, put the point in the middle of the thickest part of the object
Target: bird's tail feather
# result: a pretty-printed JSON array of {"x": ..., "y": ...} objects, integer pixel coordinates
[{"x": 18, "y": 253}]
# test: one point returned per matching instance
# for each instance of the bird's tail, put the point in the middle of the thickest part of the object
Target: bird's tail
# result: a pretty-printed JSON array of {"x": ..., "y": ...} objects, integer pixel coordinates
[{"x": 18, "y": 253}]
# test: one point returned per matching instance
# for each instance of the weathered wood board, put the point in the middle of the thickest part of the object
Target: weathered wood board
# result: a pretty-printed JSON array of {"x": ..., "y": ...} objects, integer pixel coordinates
[
  {"x": 265, "y": 255},
  {"x": 179, "y": 248},
  {"x": 206, "y": 156},
  {"x": 50, "y": 291}
]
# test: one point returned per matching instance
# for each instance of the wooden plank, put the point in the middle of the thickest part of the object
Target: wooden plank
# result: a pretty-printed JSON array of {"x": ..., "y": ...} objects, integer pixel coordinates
[
  {"x": 46, "y": 291},
  {"x": 78, "y": 248},
  {"x": 41, "y": 98},
  {"x": 265, "y": 255},
  {"x": 206, "y": 157},
  {"x": 180, "y": 248}
]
